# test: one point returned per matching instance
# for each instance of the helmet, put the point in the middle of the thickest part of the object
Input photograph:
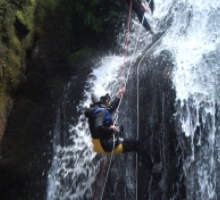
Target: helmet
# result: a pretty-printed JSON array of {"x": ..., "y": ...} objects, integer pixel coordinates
[{"x": 99, "y": 97}]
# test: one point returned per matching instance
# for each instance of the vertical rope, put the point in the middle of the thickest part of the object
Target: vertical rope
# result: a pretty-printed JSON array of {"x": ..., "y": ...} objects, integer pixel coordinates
[
  {"x": 126, "y": 44},
  {"x": 122, "y": 84},
  {"x": 137, "y": 84},
  {"x": 106, "y": 178},
  {"x": 99, "y": 182},
  {"x": 123, "y": 80},
  {"x": 125, "y": 53}
]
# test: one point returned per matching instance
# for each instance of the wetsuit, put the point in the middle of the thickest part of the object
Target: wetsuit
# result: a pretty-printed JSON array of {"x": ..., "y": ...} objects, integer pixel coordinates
[
  {"x": 99, "y": 119},
  {"x": 137, "y": 7}
]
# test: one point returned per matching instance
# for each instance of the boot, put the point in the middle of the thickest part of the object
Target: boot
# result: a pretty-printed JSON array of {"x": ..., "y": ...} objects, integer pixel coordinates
[
  {"x": 130, "y": 145},
  {"x": 156, "y": 169}
]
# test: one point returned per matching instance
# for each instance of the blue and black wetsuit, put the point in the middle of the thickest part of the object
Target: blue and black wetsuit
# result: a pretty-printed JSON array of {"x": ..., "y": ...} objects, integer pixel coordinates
[
  {"x": 137, "y": 8},
  {"x": 99, "y": 119}
]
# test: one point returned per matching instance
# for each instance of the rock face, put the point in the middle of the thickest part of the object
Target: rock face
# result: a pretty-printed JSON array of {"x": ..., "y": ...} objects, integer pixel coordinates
[
  {"x": 30, "y": 91},
  {"x": 36, "y": 40},
  {"x": 17, "y": 36},
  {"x": 147, "y": 113},
  {"x": 34, "y": 70}
]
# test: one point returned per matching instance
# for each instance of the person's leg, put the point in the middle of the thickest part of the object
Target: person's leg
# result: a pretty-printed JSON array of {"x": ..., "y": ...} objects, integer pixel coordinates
[
  {"x": 135, "y": 145},
  {"x": 146, "y": 24},
  {"x": 143, "y": 20},
  {"x": 145, "y": 156},
  {"x": 146, "y": 159},
  {"x": 129, "y": 144}
]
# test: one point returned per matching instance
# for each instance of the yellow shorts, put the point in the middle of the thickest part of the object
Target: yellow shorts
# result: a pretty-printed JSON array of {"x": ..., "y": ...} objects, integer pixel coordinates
[{"x": 98, "y": 148}]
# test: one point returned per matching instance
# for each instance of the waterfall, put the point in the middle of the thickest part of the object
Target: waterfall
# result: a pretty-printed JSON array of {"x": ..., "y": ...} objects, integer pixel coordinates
[
  {"x": 192, "y": 40},
  {"x": 196, "y": 79},
  {"x": 74, "y": 166}
]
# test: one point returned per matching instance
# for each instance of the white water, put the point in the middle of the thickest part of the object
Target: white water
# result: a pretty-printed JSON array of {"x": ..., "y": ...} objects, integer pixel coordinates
[
  {"x": 193, "y": 39},
  {"x": 74, "y": 167}
]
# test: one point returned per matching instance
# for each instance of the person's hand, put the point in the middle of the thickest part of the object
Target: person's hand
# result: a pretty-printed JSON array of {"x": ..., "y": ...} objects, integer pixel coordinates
[
  {"x": 114, "y": 128},
  {"x": 146, "y": 9},
  {"x": 121, "y": 92}
]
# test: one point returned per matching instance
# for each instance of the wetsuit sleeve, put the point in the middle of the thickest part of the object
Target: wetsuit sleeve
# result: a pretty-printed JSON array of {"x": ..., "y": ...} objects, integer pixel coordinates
[
  {"x": 99, "y": 125},
  {"x": 114, "y": 104}
]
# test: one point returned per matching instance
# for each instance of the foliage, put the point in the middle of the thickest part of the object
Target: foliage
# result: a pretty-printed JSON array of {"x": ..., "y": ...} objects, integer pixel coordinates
[
  {"x": 94, "y": 13},
  {"x": 49, "y": 4},
  {"x": 43, "y": 6},
  {"x": 80, "y": 56},
  {"x": 21, "y": 26}
]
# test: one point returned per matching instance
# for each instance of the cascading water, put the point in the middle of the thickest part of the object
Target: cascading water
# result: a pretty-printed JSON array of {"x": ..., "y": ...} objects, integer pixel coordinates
[
  {"x": 74, "y": 166},
  {"x": 193, "y": 40},
  {"x": 196, "y": 79}
]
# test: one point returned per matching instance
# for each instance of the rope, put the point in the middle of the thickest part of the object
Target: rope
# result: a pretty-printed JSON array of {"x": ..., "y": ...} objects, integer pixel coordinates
[
  {"x": 116, "y": 119},
  {"x": 99, "y": 182},
  {"x": 121, "y": 84},
  {"x": 127, "y": 35},
  {"x": 106, "y": 178},
  {"x": 137, "y": 132}
]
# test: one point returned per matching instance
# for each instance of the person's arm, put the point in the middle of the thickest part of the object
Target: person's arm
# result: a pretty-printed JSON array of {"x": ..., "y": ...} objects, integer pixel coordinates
[
  {"x": 145, "y": 8},
  {"x": 114, "y": 104}
]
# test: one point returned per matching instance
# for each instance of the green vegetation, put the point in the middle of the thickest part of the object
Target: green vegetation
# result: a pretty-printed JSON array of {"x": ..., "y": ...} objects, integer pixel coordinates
[
  {"x": 90, "y": 13},
  {"x": 17, "y": 35},
  {"x": 44, "y": 43},
  {"x": 80, "y": 56},
  {"x": 22, "y": 23},
  {"x": 94, "y": 13}
]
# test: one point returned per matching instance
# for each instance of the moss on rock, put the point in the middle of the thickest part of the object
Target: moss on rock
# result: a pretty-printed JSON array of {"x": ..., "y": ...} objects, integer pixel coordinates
[
  {"x": 36, "y": 39},
  {"x": 18, "y": 22}
]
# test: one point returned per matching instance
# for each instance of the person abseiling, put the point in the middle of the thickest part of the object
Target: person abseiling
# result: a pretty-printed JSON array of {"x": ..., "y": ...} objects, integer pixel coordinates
[
  {"x": 105, "y": 136},
  {"x": 140, "y": 8},
  {"x": 101, "y": 126}
]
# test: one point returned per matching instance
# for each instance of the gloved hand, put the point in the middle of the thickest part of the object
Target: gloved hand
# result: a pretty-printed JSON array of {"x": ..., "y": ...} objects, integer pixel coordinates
[{"x": 114, "y": 128}]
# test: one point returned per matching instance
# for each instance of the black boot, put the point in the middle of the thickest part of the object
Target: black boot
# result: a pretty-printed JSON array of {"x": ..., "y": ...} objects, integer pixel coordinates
[
  {"x": 144, "y": 155},
  {"x": 130, "y": 145},
  {"x": 156, "y": 169}
]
